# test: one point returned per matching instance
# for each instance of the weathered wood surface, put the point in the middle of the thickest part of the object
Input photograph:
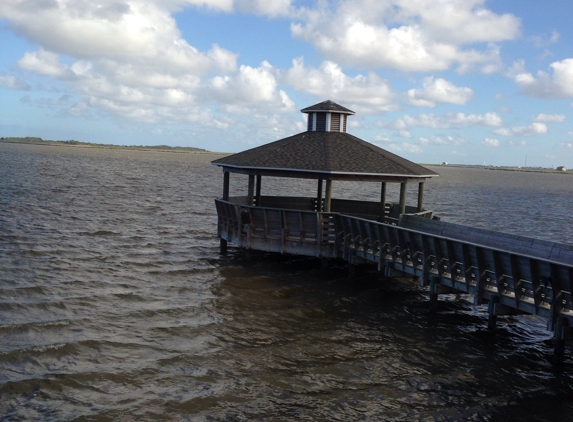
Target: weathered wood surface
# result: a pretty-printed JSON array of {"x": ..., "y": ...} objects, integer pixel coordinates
[{"x": 526, "y": 275}]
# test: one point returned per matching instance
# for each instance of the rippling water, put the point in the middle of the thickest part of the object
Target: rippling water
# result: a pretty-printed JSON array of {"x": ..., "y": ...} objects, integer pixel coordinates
[{"x": 115, "y": 304}]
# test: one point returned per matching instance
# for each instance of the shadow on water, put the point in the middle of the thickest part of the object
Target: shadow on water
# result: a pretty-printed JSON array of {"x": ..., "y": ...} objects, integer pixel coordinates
[{"x": 313, "y": 344}]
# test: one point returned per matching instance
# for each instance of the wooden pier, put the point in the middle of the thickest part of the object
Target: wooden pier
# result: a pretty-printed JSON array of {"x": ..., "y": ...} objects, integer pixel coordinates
[
  {"x": 518, "y": 276},
  {"x": 511, "y": 274}
]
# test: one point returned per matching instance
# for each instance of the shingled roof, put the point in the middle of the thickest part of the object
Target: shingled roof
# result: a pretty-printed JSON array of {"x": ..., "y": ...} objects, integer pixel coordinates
[{"x": 329, "y": 153}]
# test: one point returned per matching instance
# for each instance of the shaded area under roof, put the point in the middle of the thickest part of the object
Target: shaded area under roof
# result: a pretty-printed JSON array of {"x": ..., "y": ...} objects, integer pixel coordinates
[{"x": 336, "y": 155}]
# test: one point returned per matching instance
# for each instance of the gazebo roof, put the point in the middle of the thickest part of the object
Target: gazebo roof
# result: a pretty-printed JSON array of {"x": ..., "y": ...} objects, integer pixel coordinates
[
  {"x": 325, "y": 155},
  {"x": 327, "y": 106}
]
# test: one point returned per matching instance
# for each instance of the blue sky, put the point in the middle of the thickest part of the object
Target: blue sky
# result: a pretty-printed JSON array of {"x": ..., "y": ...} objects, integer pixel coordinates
[{"x": 462, "y": 81}]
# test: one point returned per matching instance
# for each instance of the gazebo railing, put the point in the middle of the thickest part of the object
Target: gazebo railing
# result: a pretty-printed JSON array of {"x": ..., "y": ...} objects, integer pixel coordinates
[{"x": 292, "y": 231}]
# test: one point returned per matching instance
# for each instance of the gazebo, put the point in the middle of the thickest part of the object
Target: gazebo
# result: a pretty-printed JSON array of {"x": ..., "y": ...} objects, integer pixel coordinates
[{"x": 325, "y": 153}]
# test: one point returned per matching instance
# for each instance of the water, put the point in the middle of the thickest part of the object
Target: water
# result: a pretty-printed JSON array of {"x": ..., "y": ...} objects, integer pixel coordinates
[{"x": 115, "y": 304}]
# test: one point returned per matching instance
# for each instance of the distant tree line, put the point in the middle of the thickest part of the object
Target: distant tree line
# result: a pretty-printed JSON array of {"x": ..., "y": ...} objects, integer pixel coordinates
[{"x": 40, "y": 141}]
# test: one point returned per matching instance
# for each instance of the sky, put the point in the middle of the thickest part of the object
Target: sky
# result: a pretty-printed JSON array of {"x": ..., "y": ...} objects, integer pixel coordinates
[{"x": 457, "y": 81}]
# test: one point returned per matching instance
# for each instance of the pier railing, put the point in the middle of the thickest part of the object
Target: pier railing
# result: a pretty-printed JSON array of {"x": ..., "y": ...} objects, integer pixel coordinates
[
  {"x": 506, "y": 276},
  {"x": 533, "y": 285}
]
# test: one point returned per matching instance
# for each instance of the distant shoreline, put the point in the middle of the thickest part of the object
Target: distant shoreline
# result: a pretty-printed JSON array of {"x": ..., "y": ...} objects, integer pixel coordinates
[
  {"x": 503, "y": 168},
  {"x": 193, "y": 150},
  {"x": 78, "y": 144}
]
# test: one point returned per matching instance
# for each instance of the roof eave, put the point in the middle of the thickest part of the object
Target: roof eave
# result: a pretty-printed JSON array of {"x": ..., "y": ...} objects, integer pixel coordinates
[{"x": 337, "y": 173}]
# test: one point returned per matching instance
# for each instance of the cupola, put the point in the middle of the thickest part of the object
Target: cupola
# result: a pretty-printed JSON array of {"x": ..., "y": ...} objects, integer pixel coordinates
[{"x": 327, "y": 116}]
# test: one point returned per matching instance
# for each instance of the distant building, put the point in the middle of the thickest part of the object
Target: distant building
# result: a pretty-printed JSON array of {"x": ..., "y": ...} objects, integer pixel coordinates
[
  {"x": 445, "y": 163},
  {"x": 561, "y": 168}
]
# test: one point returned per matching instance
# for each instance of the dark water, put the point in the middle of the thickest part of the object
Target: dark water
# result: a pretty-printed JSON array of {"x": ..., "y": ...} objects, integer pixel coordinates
[{"x": 115, "y": 305}]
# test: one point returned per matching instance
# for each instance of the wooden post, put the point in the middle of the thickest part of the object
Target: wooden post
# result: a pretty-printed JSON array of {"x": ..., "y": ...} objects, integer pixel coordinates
[
  {"x": 383, "y": 201},
  {"x": 433, "y": 295},
  {"x": 559, "y": 340},
  {"x": 258, "y": 194},
  {"x": 328, "y": 198},
  {"x": 403, "y": 198},
  {"x": 319, "y": 196},
  {"x": 226, "y": 186},
  {"x": 251, "y": 189},
  {"x": 420, "y": 196},
  {"x": 492, "y": 312},
  {"x": 223, "y": 242}
]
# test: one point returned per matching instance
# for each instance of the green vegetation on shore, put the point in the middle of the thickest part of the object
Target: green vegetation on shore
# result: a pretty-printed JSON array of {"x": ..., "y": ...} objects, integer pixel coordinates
[
  {"x": 40, "y": 141},
  {"x": 505, "y": 168}
]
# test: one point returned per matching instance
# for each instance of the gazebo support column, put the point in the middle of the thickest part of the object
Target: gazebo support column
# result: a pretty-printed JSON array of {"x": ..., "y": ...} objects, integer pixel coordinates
[
  {"x": 328, "y": 197},
  {"x": 420, "y": 196},
  {"x": 223, "y": 242},
  {"x": 226, "y": 185},
  {"x": 258, "y": 192},
  {"x": 403, "y": 198},
  {"x": 251, "y": 189},
  {"x": 383, "y": 201},
  {"x": 319, "y": 196}
]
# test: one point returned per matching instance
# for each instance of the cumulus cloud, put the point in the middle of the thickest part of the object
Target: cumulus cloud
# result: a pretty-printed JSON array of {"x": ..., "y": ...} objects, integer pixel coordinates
[
  {"x": 443, "y": 140},
  {"x": 439, "y": 91},
  {"x": 405, "y": 147},
  {"x": 13, "y": 82},
  {"x": 558, "y": 84},
  {"x": 410, "y": 35},
  {"x": 550, "y": 118},
  {"x": 128, "y": 59},
  {"x": 519, "y": 143},
  {"x": 491, "y": 142},
  {"x": 43, "y": 63},
  {"x": 535, "y": 128},
  {"x": 448, "y": 120},
  {"x": 366, "y": 93},
  {"x": 271, "y": 8}
]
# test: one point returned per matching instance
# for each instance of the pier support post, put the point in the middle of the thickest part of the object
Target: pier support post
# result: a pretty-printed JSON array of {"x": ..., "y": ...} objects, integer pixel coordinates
[
  {"x": 433, "y": 295},
  {"x": 492, "y": 312},
  {"x": 223, "y": 247},
  {"x": 559, "y": 337},
  {"x": 247, "y": 255}
]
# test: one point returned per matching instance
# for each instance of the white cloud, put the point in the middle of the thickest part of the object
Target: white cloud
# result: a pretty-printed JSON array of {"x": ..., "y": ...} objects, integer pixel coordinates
[
  {"x": 255, "y": 87},
  {"x": 545, "y": 40},
  {"x": 439, "y": 91},
  {"x": 362, "y": 93},
  {"x": 411, "y": 35},
  {"x": 491, "y": 142},
  {"x": 448, "y": 120},
  {"x": 557, "y": 85},
  {"x": 443, "y": 140},
  {"x": 405, "y": 147},
  {"x": 271, "y": 8},
  {"x": 43, "y": 63},
  {"x": 550, "y": 118},
  {"x": 128, "y": 59},
  {"x": 520, "y": 143},
  {"x": 535, "y": 128},
  {"x": 13, "y": 82}
]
